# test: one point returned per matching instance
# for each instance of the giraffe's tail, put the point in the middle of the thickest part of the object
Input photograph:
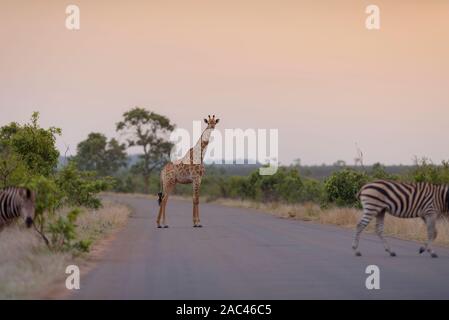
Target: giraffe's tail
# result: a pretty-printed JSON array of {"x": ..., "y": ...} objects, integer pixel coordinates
[{"x": 159, "y": 200}]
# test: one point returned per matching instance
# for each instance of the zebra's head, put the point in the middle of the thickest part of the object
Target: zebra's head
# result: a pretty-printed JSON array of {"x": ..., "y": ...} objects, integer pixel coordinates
[{"x": 28, "y": 206}]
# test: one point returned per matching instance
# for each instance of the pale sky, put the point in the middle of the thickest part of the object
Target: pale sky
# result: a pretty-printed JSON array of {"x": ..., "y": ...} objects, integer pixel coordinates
[{"x": 308, "y": 68}]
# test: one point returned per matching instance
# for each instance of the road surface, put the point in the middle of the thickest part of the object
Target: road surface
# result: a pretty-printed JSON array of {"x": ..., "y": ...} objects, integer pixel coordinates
[{"x": 245, "y": 254}]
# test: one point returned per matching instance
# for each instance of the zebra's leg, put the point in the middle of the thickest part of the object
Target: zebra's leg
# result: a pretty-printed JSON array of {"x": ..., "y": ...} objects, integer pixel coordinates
[
  {"x": 424, "y": 247},
  {"x": 364, "y": 221},
  {"x": 380, "y": 230},
  {"x": 431, "y": 235}
]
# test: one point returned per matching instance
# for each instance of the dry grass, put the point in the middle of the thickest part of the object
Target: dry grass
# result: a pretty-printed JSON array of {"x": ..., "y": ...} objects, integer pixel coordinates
[
  {"x": 410, "y": 229},
  {"x": 28, "y": 267},
  {"x": 98, "y": 223}
]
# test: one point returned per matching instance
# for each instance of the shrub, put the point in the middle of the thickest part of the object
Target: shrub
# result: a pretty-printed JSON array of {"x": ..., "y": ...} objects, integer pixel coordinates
[
  {"x": 342, "y": 187},
  {"x": 81, "y": 188},
  {"x": 63, "y": 233},
  {"x": 28, "y": 157},
  {"x": 265, "y": 188},
  {"x": 35, "y": 146},
  {"x": 55, "y": 193},
  {"x": 426, "y": 171},
  {"x": 312, "y": 191},
  {"x": 290, "y": 188},
  {"x": 378, "y": 171},
  {"x": 13, "y": 170}
]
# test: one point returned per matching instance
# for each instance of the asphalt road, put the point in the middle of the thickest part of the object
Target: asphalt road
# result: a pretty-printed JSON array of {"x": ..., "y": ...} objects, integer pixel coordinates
[{"x": 245, "y": 254}]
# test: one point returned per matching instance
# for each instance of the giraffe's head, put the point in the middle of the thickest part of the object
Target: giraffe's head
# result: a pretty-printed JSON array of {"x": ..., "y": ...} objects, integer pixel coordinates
[{"x": 211, "y": 122}]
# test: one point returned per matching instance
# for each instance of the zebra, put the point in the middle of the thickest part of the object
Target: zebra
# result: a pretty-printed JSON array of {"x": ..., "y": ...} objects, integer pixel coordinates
[
  {"x": 404, "y": 200},
  {"x": 17, "y": 202}
]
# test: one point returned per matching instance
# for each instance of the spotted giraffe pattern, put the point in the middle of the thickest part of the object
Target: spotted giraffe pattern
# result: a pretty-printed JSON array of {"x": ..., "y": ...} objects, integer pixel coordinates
[{"x": 189, "y": 169}]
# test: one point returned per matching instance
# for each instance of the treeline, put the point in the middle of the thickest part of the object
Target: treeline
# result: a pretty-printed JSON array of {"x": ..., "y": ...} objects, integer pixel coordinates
[
  {"x": 321, "y": 172},
  {"x": 28, "y": 157},
  {"x": 337, "y": 184},
  {"x": 290, "y": 186}
]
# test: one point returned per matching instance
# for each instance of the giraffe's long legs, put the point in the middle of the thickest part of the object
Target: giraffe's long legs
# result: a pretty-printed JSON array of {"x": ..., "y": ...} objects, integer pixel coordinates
[
  {"x": 196, "y": 222},
  {"x": 430, "y": 221},
  {"x": 196, "y": 201},
  {"x": 364, "y": 221},
  {"x": 164, "y": 206},
  {"x": 380, "y": 229},
  {"x": 161, "y": 216}
]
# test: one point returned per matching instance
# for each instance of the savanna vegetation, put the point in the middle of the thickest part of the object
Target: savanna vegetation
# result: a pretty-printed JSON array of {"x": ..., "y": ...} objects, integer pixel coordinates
[
  {"x": 321, "y": 193},
  {"x": 70, "y": 214},
  {"x": 146, "y": 134}
]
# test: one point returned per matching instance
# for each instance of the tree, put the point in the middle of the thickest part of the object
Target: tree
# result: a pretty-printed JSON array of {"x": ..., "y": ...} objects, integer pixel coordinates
[
  {"x": 116, "y": 155},
  {"x": 33, "y": 145},
  {"x": 378, "y": 171},
  {"x": 297, "y": 162},
  {"x": 97, "y": 154},
  {"x": 339, "y": 163},
  {"x": 150, "y": 131}
]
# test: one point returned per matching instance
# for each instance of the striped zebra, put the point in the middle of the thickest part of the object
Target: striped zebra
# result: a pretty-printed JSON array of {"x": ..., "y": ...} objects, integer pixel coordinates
[
  {"x": 403, "y": 200},
  {"x": 15, "y": 203}
]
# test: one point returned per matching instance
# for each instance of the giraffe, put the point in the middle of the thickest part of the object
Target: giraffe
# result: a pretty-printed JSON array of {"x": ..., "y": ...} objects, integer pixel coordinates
[{"x": 189, "y": 169}]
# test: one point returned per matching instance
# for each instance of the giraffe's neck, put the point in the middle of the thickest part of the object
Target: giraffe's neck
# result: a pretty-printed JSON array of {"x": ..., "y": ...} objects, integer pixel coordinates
[{"x": 196, "y": 154}]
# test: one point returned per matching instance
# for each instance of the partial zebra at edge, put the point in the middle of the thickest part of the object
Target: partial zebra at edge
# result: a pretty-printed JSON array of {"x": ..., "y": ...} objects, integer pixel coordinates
[
  {"x": 403, "y": 200},
  {"x": 15, "y": 203}
]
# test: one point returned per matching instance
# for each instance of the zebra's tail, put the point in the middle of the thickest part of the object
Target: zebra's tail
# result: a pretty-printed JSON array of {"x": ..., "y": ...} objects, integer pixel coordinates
[{"x": 159, "y": 200}]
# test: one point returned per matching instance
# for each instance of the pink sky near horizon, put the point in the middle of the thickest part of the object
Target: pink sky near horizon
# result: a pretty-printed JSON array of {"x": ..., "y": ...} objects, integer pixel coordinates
[{"x": 308, "y": 68}]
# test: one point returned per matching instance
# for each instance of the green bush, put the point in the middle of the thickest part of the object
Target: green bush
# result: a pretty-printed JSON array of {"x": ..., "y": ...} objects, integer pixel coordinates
[
  {"x": 28, "y": 157},
  {"x": 13, "y": 170},
  {"x": 81, "y": 188},
  {"x": 378, "y": 171},
  {"x": 290, "y": 188},
  {"x": 425, "y": 171},
  {"x": 265, "y": 188},
  {"x": 313, "y": 191},
  {"x": 342, "y": 187},
  {"x": 68, "y": 188},
  {"x": 238, "y": 187},
  {"x": 35, "y": 146},
  {"x": 285, "y": 186},
  {"x": 63, "y": 233}
]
